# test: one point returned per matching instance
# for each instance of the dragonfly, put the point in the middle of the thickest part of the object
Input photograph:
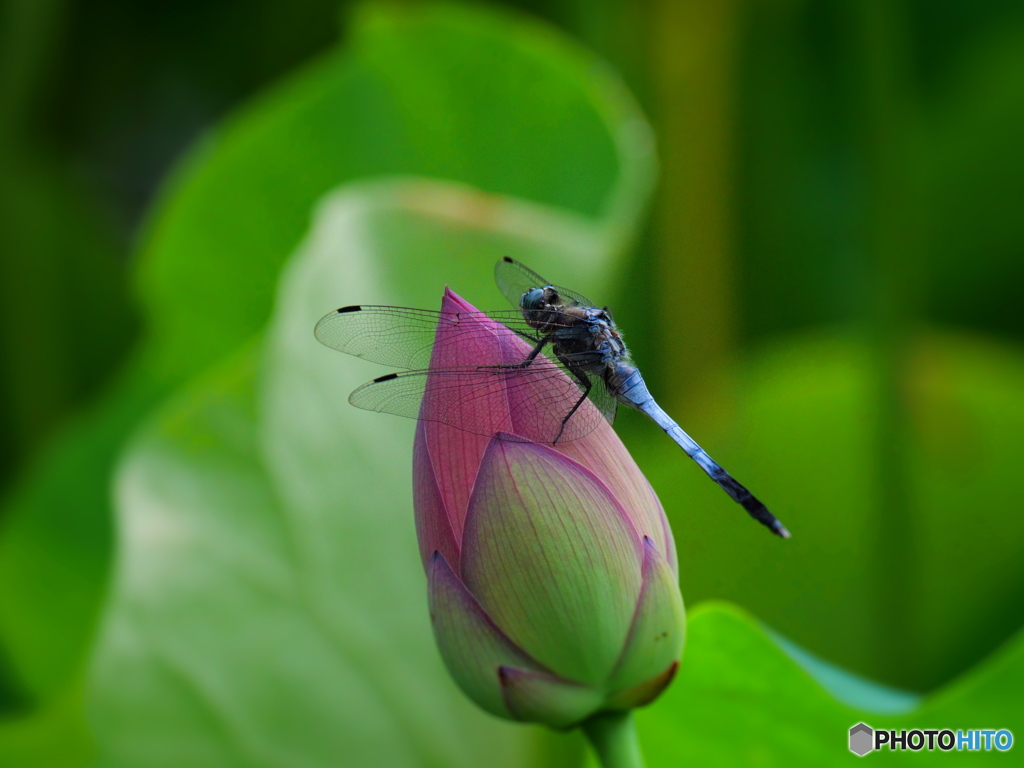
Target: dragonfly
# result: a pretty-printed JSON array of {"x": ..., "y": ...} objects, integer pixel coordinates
[{"x": 551, "y": 398}]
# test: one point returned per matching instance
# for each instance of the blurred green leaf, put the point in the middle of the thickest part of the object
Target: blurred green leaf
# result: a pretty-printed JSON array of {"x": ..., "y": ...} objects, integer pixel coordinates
[
  {"x": 485, "y": 98},
  {"x": 64, "y": 320},
  {"x": 804, "y": 203},
  {"x": 856, "y": 692},
  {"x": 54, "y": 736},
  {"x": 977, "y": 172},
  {"x": 56, "y": 543},
  {"x": 269, "y": 598},
  {"x": 801, "y": 438},
  {"x": 740, "y": 699}
]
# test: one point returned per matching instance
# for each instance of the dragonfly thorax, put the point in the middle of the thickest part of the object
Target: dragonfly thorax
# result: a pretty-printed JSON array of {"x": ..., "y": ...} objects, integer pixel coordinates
[{"x": 584, "y": 338}]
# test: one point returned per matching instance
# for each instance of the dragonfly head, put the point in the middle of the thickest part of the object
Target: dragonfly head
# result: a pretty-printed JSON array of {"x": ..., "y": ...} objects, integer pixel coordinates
[{"x": 539, "y": 298}]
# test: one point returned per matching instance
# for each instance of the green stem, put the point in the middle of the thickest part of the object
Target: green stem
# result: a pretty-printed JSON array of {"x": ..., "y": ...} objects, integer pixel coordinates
[
  {"x": 613, "y": 736},
  {"x": 895, "y": 190},
  {"x": 694, "y": 54}
]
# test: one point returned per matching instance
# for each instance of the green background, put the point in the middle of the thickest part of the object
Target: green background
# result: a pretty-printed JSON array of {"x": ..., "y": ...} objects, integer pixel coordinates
[{"x": 805, "y": 215}]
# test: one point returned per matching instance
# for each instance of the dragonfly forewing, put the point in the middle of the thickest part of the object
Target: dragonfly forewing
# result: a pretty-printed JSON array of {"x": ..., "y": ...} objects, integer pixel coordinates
[
  {"x": 498, "y": 393},
  {"x": 402, "y": 337}
]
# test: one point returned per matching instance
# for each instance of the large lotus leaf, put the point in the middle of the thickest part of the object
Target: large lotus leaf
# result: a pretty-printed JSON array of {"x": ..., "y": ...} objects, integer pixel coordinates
[
  {"x": 484, "y": 98},
  {"x": 269, "y": 602},
  {"x": 401, "y": 97},
  {"x": 744, "y": 697},
  {"x": 55, "y": 545},
  {"x": 804, "y": 439}
]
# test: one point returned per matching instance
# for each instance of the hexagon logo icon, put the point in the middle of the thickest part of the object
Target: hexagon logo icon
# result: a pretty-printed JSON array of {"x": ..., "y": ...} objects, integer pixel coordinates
[{"x": 861, "y": 739}]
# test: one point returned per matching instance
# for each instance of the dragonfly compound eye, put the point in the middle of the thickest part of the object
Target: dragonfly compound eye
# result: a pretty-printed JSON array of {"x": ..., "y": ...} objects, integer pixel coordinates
[{"x": 533, "y": 299}]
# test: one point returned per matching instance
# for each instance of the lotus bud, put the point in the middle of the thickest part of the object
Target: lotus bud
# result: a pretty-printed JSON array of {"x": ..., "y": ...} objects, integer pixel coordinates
[{"x": 551, "y": 569}]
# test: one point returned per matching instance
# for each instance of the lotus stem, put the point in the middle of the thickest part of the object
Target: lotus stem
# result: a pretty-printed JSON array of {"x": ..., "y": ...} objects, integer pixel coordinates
[{"x": 613, "y": 736}]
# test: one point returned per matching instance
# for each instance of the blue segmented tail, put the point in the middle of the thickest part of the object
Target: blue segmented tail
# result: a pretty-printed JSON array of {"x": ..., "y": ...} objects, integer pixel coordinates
[{"x": 634, "y": 393}]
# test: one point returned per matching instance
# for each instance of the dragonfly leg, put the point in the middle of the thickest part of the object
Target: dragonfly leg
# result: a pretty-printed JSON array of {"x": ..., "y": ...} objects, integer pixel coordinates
[
  {"x": 529, "y": 358},
  {"x": 586, "y": 383},
  {"x": 529, "y": 337}
]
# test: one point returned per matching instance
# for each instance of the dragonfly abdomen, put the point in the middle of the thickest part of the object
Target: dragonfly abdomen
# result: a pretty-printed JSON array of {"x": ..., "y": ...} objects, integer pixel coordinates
[{"x": 627, "y": 385}]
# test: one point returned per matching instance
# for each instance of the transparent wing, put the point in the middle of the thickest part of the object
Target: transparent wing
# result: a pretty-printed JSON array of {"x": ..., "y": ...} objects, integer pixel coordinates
[
  {"x": 514, "y": 280},
  {"x": 402, "y": 337},
  {"x": 537, "y": 401}
]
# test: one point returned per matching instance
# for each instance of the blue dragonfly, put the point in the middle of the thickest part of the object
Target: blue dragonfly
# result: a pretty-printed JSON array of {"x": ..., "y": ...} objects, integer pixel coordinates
[{"x": 588, "y": 361}]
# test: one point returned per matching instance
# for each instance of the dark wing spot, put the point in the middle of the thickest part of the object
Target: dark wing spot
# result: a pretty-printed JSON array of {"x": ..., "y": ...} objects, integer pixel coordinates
[
  {"x": 386, "y": 378},
  {"x": 349, "y": 309}
]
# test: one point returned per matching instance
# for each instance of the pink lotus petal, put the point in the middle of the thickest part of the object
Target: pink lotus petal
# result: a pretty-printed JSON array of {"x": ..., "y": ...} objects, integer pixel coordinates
[
  {"x": 644, "y": 693},
  {"x": 553, "y": 558},
  {"x": 434, "y": 529},
  {"x": 554, "y": 701},
  {"x": 462, "y": 450},
  {"x": 472, "y": 647},
  {"x": 659, "y": 626},
  {"x": 603, "y": 453}
]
